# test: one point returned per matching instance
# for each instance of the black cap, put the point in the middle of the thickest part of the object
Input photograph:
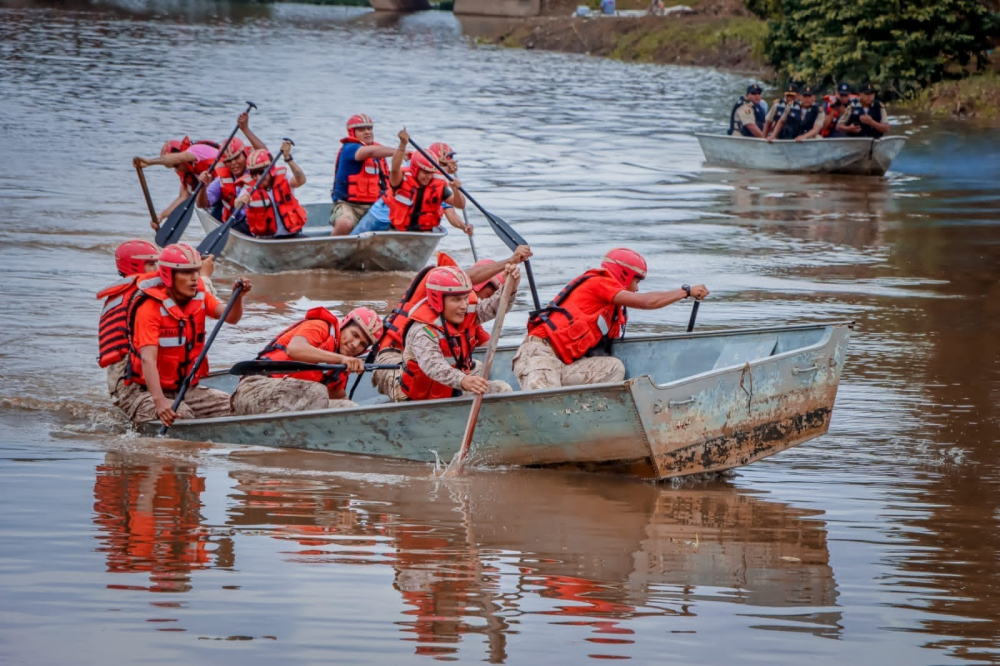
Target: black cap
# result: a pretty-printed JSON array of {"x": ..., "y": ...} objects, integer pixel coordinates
[
  {"x": 754, "y": 89},
  {"x": 844, "y": 89},
  {"x": 807, "y": 90},
  {"x": 868, "y": 88},
  {"x": 791, "y": 88}
]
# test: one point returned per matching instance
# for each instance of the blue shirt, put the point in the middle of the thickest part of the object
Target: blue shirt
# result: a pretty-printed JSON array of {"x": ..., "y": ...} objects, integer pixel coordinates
[
  {"x": 608, "y": 6},
  {"x": 348, "y": 166}
]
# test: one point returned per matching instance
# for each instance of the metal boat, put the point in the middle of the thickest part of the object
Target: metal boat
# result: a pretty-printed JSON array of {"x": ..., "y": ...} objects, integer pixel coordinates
[
  {"x": 316, "y": 248},
  {"x": 691, "y": 403},
  {"x": 863, "y": 157}
]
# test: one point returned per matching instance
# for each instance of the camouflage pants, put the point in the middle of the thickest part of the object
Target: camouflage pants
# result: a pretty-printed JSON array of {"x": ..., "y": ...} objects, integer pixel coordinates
[
  {"x": 200, "y": 402},
  {"x": 387, "y": 381},
  {"x": 269, "y": 395},
  {"x": 116, "y": 378},
  {"x": 536, "y": 367}
]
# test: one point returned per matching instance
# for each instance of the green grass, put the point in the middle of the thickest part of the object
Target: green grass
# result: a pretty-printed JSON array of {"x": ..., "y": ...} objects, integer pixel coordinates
[
  {"x": 643, "y": 45},
  {"x": 977, "y": 95}
]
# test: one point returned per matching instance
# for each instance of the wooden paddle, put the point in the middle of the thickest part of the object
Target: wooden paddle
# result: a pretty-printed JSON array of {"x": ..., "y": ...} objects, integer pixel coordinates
[
  {"x": 175, "y": 224},
  {"x": 215, "y": 242},
  {"x": 204, "y": 352},
  {"x": 154, "y": 221},
  {"x": 267, "y": 367},
  {"x": 506, "y": 233},
  {"x": 455, "y": 467}
]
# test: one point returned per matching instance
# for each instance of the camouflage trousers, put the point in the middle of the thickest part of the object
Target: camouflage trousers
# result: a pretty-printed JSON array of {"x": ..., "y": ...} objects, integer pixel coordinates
[
  {"x": 387, "y": 381},
  {"x": 269, "y": 395},
  {"x": 536, "y": 367},
  {"x": 200, "y": 402},
  {"x": 116, "y": 378}
]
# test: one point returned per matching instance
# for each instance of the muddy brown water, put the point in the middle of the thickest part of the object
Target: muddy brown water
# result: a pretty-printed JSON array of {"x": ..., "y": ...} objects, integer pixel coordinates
[{"x": 874, "y": 544}]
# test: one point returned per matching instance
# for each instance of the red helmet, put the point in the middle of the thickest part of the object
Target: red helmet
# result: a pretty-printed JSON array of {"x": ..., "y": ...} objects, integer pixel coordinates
[
  {"x": 131, "y": 256},
  {"x": 259, "y": 160},
  {"x": 496, "y": 281},
  {"x": 368, "y": 320},
  {"x": 624, "y": 264},
  {"x": 234, "y": 149},
  {"x": 173, "y": 146},
  {"x": 357, "y": 122},
  {"x": 446, "y": 281},
  {"x": 177, "y": 257},
  {"x": 441, "y": 151},
  {"x": 418, "y": 162}
]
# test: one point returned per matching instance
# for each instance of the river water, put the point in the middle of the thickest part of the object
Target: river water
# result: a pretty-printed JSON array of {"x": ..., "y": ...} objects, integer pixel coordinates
[{"x": 876, "y": 543}]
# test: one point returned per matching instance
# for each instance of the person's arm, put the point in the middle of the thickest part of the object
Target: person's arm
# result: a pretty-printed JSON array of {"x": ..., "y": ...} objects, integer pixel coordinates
[
  {"x": 162, "y": 404},
  {"x": 204, "y": 200},
  {"x": 298, "y": 178},
  {"x": 654, "y": 300},
  {"x": 756, "y": 131},
  {"x": 844, "y": 124},
  {"x": 486, "y": 309},
  {"x": 378, "y": 152},
  {"x": 423, "y": 343},
  {"x": 244, "y": 123},
  {"x": 457, "y": 199},
  {"x": 769, "y": 120},
  {"x": 778, "y": 126},
  {"x": 455, "y": 220},
  {"x": 237, "y": 312},
  {"x": 170, "y": 160},
  {"x": 880, "y": 126},
  {"x": 816, "y": 128},
  {"x": 299, "y": 349},
  {"x": 398, "y": 156}
]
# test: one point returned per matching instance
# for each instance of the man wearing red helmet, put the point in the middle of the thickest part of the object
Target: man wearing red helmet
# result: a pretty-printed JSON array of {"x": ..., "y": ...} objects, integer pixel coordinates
[
  {"x": 445, "y": 156},
  {"x": 319, "y": 338},
  {"x": 443, "y": 332},
  {"x": 188, "y": 160},
  {"x": 272, "y": 209},
  {"x": 166, "y": 324},
  {"x": 133, "y": 258},
  {"x": 222, "y": 187},
  {"x": 569, "y": 340},
  {"x": 359, "y": 175}
]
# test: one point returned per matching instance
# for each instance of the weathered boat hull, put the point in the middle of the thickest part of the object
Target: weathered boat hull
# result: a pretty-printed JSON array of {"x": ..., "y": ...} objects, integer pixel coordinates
[
  {"x": 373, "y": 251},
  {"x": 724, "y": 399},
  {"x": 863, "y": 157}
]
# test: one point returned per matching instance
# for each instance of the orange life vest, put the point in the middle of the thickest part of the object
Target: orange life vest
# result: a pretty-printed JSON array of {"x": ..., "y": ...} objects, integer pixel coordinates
[
  {"x": 573, "y": 333},
  {"x": 368, "y": 184},
  {"x": 228, "y": 185},
  {"x": 396, "y": 321},
  {"x": 457, "y": 344},
  {"x": 832, "y": 108},
  {"x": 112, "y": 329},
  {"x": 402, "y": 202},
  {"x": 182, "y": 334},
  {"x": 277, "y": 350},
  {"x": 189, "y": 175},
  {"x": 260, "y": 210}
]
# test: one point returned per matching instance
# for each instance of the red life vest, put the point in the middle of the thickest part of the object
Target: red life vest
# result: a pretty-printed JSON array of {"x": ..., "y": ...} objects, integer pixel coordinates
[
  {"x": 182, "y": 334},
  {"x": 402, "y": 202},
  {"x": 396, "y": 321},
  {"x": 457, "y": 344},
  {"x": 367, "y": 185},
  {"x": 277, "y": 350},
  {"x": 834, "y": 109},
  {"x": 112, "y": 329},
  {"x": 189, "y": 175},
  {"x": 228, "y": 185},
  {"x": 260, "y": 210},
  {"x": 573, "y": 333}
]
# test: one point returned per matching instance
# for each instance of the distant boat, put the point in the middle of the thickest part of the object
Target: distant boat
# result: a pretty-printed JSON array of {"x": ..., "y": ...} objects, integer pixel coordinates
[
  {"x": 692, "y": 403},
  {"x": 372, "y": 251},
  {"x": 856, "y": 156}
]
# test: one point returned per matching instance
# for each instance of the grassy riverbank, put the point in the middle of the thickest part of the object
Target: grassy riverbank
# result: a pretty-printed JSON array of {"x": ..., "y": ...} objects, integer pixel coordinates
[{"x": 976, "y": 98}]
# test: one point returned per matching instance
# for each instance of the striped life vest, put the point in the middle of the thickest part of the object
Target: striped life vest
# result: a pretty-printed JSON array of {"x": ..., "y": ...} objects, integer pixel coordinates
[
  {"x": 368, "y": 184},
  {"x": 396, "y": 321},
  {"x": 260, "y": 210},
  {"x": 277, "y": 350},
  {"x": 403, "y": 204},
  {"x": 112, "y": 328}
]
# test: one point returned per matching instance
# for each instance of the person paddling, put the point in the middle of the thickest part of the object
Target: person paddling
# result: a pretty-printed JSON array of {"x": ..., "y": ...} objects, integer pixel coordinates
[
  {"x": 443, "y": 332},
  {"x": 319, "y": 338},
  {"x": 134, "y": 259},
  {"x": 569, "y": 340},
  {"x": 360, "y": 175},
  {"x": 166, "y": 326},
  {"x": 272, "y": 209},
  {"x": 222, "y": 186},
  {"x": 188, "y": 160}
]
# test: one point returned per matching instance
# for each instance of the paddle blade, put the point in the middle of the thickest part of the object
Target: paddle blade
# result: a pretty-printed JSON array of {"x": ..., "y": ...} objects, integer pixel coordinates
[
  {"x": 215, "y": 242},
  {"x": 506, "y": 233},
  {"x": 173, "y": 228}
]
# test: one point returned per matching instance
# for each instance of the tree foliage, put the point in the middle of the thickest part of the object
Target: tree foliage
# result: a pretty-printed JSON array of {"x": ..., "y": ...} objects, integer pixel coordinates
[{"x": 900, "y": 45}]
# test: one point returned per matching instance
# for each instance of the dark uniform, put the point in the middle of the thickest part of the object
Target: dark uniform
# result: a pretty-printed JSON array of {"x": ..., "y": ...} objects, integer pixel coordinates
[
  {"x": 746, "y": 113},
  {"x": 876, "y": 111}
]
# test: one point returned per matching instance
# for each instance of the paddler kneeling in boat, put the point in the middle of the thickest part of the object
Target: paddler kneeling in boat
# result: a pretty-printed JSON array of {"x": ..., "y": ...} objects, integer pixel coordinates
[
  {"x": 442, "y": 334},
  {"x": 569, "y": 341},
  {"x": 166, "y": 324},
  {"x": 319, "y": 338},
  {"x": 486, "y": 277},
  {"x": 273, "y": 212}
]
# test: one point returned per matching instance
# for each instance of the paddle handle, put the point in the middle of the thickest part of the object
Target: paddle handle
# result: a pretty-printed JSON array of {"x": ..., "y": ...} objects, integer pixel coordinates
[
  {"x": 154, "y": 221},
  {"x": 694, "y": 315},
  {"x": 477, "y": 402},
  {"x": 204, "y": 352},
  {"x": 472, "y": 243}
]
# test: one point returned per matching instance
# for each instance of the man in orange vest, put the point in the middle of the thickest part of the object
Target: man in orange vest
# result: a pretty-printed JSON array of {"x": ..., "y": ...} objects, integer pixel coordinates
[
  {"x": 569, "y": 341},
  {"x": 415, "y": 201},
  {"x": 443, "y": 332},
  {"x": 360, "y": 175},
  {"x": 221, "y": 187},
  {"x": 485, "y": 276},
  {"x": 272, "y": 209},
  {"x": 319, "y": 338},
  {"x": 133, "y": 258},
  {"x": 188, "y": 160},
  {"x": 166, "y": 324}
]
